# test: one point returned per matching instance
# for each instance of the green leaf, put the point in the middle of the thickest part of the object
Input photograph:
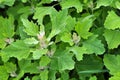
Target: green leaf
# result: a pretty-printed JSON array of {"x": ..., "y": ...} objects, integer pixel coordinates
[
  {"x": 31, "y": 41},
  {"x": 24, "y": 1},
  {"x": 44, "y": 61},
  {"x": 6, "y": 27},
  {"x": 93, "y": 78},
  {"x": 78, "y": 51},
  {"x": 10, "y": 67},
  {"x": 28, "y": 67},
  {"x": 66, "y": 37},
  {"x": 19, "y": 76},
  {"x": 58, "y": 22},
  {"x": 83, "y": 26},
  {"x": 46, "y": 1},
  {"x": 44, "y": 75},
  {"x": 2, "y": 43},
  {"x": 112, "y": 38},
  {"x": 70, "y": 24},
  {"x": 30, "y": 27},
  {"x": 7, "y": 2},
  {"x": 52, "y": 74},
  {"x": 72, "y": 3},
  {"x": 115, "y": 77},
  {"x": 38, "y": 53},
  {"x": 103, "y": 3},
  {"x": 3, "y": 73},
  {"x": 27, "y": 78},
  {"x": 93, "y": 45},
  {"x": 36, "y": 77},
  {"x": 17, "y": 49},
  {"x": 112, "y": 63},
  {"x": 62, "y": 60},
  {"x": 89, "y": 65},
  {"x": 41, "y": 12},
  {"x": 112, "y": 21},
  {"x": 117, "y": 3},
  {"x": 64, "y": 75}
]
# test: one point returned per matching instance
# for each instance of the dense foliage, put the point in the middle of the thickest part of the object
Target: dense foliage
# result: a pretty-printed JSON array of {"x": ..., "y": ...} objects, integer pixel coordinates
[{"x": 59, "y": 40}]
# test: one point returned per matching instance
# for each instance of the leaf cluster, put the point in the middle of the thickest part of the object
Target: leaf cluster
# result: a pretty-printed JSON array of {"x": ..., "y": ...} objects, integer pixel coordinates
[{"x": 59, "y": 39}]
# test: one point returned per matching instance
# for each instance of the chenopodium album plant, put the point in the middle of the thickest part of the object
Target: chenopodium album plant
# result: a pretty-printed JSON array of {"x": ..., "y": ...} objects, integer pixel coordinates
[{"x": 59, "y": 39}]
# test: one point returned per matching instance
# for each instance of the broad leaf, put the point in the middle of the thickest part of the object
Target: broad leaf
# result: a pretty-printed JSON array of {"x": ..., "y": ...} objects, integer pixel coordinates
[
  {"x": 112, "y": 21},
  {"x": 112, "y": 38},
  {"x": 94, "y": 45},
  {"x": 83, "y": 26},
  {"x": 58, "y": 22},
  {"x": 41, "y": 12},
  {"x": 62, "y": 60},
  {"x": 6, "y": 27},
  {"x": 17, "y": 49},
  {"x": 70, "y": 24},
  {"x": 112, "y": 62},
  {"x": 28, "y": 67},
  {"x": 89, "y": 65}
]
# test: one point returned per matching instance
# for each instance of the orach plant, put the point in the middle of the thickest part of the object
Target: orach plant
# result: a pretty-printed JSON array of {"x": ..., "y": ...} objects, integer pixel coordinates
[{"x": 59, "y": 39}]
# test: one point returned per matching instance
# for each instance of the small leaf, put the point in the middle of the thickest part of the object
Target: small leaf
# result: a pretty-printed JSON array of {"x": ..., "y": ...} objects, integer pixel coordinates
[
  {"x": 27, "y": 78},
  {"x": 117, "y": 3},
  {"x": 24, "y": 1},
  {"x": 78, "y": 51},
  {"x": 31, "y": 41},
  {"x": 103, "y": 3},
  {"x": 30, "y": 27},
  {"x": 44, "y": 75},
  {"x": 64, "y": 75},
  {"x": 7, "y": 2},
  {"x": 38, "y": 53},
  {"x": 66, "y": 37},
  {"x": 45, "y": 60},
  {"x": 93, "y": 78},
  {"x": 72, "y": 3}
]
